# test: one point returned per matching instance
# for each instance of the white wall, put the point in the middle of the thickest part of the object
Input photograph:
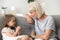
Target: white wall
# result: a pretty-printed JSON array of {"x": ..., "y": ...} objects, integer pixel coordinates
[
  {"x": 20, "y": 5},
  {"x": 52, "y": 7}
]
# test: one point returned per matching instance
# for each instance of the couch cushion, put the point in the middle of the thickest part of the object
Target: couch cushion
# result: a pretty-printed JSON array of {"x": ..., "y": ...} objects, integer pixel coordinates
[
  {"x": 57, "y": 23},
  {"x": 26, "y": 27},
  {"x": 1, "y": 26},
  {"x": 21, "y": 21}
]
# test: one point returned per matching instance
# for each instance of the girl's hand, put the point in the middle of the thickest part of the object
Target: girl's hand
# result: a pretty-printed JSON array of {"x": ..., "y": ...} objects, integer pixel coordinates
[{"x": 18, "y": 28}]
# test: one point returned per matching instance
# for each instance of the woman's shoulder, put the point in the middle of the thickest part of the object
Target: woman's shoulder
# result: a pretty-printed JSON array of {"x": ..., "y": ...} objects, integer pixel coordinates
[{"x": 50, "y": 17}]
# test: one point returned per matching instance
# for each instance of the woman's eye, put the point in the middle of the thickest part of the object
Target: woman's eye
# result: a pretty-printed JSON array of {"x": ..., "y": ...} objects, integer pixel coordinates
[
  {"x": 30, "y": 12},
  {"x": 13, "y": 20}
]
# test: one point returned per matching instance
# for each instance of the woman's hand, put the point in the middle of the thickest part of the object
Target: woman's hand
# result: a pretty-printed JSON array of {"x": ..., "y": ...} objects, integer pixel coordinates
[
  {"x": 32, "y": 34},
  {"x": 29, "y": 19}
]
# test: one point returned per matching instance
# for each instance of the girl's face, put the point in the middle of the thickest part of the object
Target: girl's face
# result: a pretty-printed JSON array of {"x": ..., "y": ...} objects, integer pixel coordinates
[
  {"x": 12, "y": 22},
  {"x": 33, "y": 13}
]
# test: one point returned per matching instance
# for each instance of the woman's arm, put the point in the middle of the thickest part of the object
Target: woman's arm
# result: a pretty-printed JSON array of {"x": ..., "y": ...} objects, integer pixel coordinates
[
  {"x": 33, "y": 34},
  {"x": 50, "y": 28},
  {"x": 45, "y": 36},
  {"x": 29, "y": 19}
]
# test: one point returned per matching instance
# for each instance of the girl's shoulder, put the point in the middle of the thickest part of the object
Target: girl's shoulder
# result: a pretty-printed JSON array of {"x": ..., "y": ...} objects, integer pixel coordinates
[{"x": 6, "y": 29}]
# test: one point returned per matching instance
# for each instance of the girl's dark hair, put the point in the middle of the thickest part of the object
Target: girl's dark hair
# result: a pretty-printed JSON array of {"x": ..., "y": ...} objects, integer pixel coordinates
[{"x": 7, "y": 18}]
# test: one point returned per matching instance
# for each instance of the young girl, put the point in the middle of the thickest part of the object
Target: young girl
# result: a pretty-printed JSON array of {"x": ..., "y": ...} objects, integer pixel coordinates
[{"x": 10, "y": 30}]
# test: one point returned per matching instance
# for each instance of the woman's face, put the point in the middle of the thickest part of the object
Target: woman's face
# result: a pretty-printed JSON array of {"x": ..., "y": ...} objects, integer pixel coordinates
[
  {"x": 33, "y": 13},
  {"x": 12, "y": 22}
]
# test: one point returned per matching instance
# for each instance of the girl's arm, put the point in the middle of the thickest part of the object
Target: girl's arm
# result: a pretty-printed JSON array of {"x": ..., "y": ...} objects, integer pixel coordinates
[
  {"x": 15, "y": 33},
  {"x": 19, "y": 31}
]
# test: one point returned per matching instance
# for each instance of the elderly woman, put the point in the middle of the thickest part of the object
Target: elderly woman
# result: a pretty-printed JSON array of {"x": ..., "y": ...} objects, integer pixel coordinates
[{"x": 44, "y": 24}]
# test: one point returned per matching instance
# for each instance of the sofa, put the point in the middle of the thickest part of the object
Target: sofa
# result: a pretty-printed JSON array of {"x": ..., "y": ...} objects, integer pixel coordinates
[{"x": 27, "y": 28}]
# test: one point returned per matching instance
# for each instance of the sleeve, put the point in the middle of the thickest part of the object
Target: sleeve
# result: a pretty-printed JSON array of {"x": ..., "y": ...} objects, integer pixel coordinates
[
  {"x": 50, "y": 24},
  {"x": 33, "y": 28},
  {"x": 4, "y": 30}
]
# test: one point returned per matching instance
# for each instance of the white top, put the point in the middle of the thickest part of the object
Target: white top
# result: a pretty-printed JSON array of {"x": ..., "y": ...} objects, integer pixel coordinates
[
  {"x": 5, "y": 37},
  {"x": 46, "y": 24}
]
